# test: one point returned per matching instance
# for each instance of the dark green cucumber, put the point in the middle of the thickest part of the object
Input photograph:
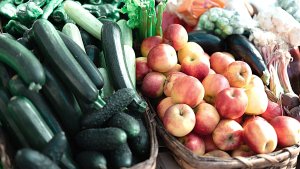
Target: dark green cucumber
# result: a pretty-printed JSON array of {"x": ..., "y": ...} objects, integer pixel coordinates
[
  {"x": 84, "y": 61},
  {"x": 101, "y": 139},
  {"x": 32, "y": 159},
  {"x": 209, "y": 42},
  {"x": 62, "y": 61},
  {"x": 243, "y": 49},
  {"x": 29, "y": 121},
  {"x": 56, "y": 147},
  {"x": 120, "y": 157},
  {"x": 16, "y": 136},
  {"x": 4, "y": 76},
  {"x": 114, "y": 104},
  {"x": 63, "y": 102},
  {"x": 91, "y": 160},
  {"x": 23, "y": 62},
  {"x": 116, "y": 65},
  {"x": 17, "y": 88},
  {"x": 125, "y": 122}
]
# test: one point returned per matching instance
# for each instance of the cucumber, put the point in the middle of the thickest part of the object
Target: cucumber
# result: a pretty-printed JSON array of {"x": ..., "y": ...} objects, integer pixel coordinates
[
  {"x": 101, "y": 139},
  {"x": 120, "y": 157},
  {"x": 125, "y": 122},
  {"x": 116, "y": 64},
  {"x": 84, "y": 61},
  {"x": 20, "y": 59},
  {"x": 130, "y": 63},
  {"x": 56, "y": 147},
  {"x": 32, "y": 159},
  {"x": 114, "y": 104},
  {"x": 16, "y": 136},
  {"x": 91, "y": 160},
  {"x": 4, "y": 76},
  {"x": 29, "y": 121},
  {"x": 72, "y": 31},
  {"x": 107, "y": 89},
  {"x": 17, "y": 88},
  {"x": 62, "y": 61},
  {"x": 127, "y": 38},
  {"x": 63, "y": 102}
]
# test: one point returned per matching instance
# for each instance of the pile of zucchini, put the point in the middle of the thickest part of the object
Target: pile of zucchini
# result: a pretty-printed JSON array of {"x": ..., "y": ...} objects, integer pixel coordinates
[{"x": 64, "y": 105}]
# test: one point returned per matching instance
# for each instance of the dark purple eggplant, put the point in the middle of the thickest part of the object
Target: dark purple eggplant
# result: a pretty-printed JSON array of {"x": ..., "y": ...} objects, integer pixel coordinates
[
  {"x": 242, "y": 49},
  {"x": 294, "y": 70},
  {"x": 209, "y": 43}
]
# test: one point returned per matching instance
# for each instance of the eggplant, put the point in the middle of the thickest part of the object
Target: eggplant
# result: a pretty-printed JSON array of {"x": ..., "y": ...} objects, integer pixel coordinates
[
  {"x": 294, "y": 70},
  {"x": 242, "y": 49},
  {"x": 209, "y": 42}
]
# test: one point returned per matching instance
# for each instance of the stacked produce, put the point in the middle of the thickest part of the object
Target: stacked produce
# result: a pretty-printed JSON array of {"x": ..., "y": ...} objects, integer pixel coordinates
[
  {"x": 68, "y": 95},
  {"x": 214, "y": 104}
]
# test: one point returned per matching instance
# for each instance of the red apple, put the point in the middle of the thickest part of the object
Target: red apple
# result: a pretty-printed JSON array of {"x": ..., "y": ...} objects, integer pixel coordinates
[
  {"x": 175, "y": 35},
  {"x": 207, "y": 119},
  {"x": 187, "y": 90},
  {"x": 176, "y": 68},
  {"x": 209, "y": 143},
  {"x": 211, "y": 71},
  {"x": 242, "y": 151},
  {"x": 287, "y": 130},
  {"x": 162, "y": 58},
  {"x": 194, "y": 143},
  {"x": 273, "y": 110},
  {"x": 257, "y": 101},
  {"x": 238, "y": 73},
  {"x": 192, "y": 50},
  {"x": 213, "y": 84},
  {"x": 255, "y": 81},
  {"x": 228, "y": 135},
  {"x": 141, "y": 68},
  {"x": 153, "y": 84},
  {"x": 217, "y": 153},
  {"x": 231, "y": 102},
  {"x": 219, "y": 61},
  {"x": 179, "y": 120},
  {"x": 163, "y": 105},
  {"x": 171, "y": 78},
  {"x": 259, "y": 135},
  {"x": 196, "y": 67},
  {"x": 149, "y": 43}
]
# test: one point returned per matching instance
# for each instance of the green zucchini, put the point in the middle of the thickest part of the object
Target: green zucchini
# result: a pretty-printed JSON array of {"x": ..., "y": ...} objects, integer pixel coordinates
[
  {"x": 120, "y": 157},
  {"x": 49, "y": 7},
  {"x": 101, "y": 139},
  {"x": 114, "y": 104},
  {"x": 17, "y": 88},
  {"x": 72, "y": 31},
  {"x": 243, "y": 49},
  {"x": 107, "y": 89},
  {"x": 130, "y": 63},
  {"x": 125, "y": 122},
  {"x": 127, "y": 38},
  {"x": 56, "y": 147},
  {"x": 93, "y": 52},
  {"x": 91, "y": 160},
  {"x": 29, "y": 121},
  {"x": 87, "y": 39},
  {"x": 23, "y": 62},
  {"x": 63, "y": 102},
  {"x": 62, "y": 61},
  {"x": 25, "y": 42},
  {"x": 32, "y": 159},
  {"x": 116, "y": 64},
  {"x": 4, "y": 76},
  {"x": 84, "y": 61}
]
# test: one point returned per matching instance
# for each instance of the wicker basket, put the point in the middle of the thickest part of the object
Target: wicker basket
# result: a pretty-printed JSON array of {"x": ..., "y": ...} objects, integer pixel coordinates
[{"x": 285, "y": 158}]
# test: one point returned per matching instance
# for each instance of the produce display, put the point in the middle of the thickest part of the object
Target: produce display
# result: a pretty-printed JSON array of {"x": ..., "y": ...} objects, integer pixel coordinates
[{"x": 78, "y": 79}]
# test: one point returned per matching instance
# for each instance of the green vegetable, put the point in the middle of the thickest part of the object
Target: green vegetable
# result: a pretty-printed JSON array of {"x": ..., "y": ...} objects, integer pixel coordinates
[
  {"x": 160, "y": 9},
  {"x": 91, "y": 160},
  {"x": 107, "y": 89},
  {"x": 107, "y": 11},
  {"x": 50, "y": 6},
  {"x": 23, "y": 62},
  {"x": 72, "y": 31},
  {"x": 8, "y": 9},
  {"x": 15, "y": 28},
  {"x": 93, "y": 53},
  {"x": 56, "y": 147},
  {"x": 18, "y": 2},
  {"x": 59, "y": 15},
  {"x": 28, "y": 12},
  {"x": 130, "y": 63},
  {"x": 121, "y": 157},
  {"x": 101, "y": 139},
  {"x": 83, "y": 18},
  {"x": 127, "y": 38},
  {"x": 4, "y": 76}
]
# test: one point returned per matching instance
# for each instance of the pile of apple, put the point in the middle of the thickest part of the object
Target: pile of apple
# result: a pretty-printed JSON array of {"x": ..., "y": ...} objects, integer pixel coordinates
[{"x": 213, "y": 104}]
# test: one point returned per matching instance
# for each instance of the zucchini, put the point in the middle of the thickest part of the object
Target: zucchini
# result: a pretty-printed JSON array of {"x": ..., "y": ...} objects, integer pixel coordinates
[
  {"x": 25, "y": 42},
  {"x": 243, "y": 49},
  {"x": 127, "y": 38},
  {"x": 93, "y": 52},
  {"x": 87, "y": 39},
  {"x": 107, "y": 89},
  {"x": 29, "y": 121},
  {"x": 32, "y": 159},
  {"x": 125, "y": 122},
  {"x": 17, "y": 88},
  {"x": 4, "y": 76},
  {"x": 116, "y": 64},
  {"x": 101, "y": 139},
  {"x": 83, "y": 18},
  {"x": 209, "y": 42},
  {"x": 7, "y": 35},
  {"x": 62, "y": 61},
  {"x": 23, "y": 62},
  {"x": 63, "y": 102},
  {"x": 91, "y": 160},
  {"x": 130, "y": 63},
  {"x": 72, "y": 31},
  {"x": 56, "y": 147},
  {"x": 114, "y": 104},
  {"x": 84, "y": 61},
  {"x": 120, "y": 157}
]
